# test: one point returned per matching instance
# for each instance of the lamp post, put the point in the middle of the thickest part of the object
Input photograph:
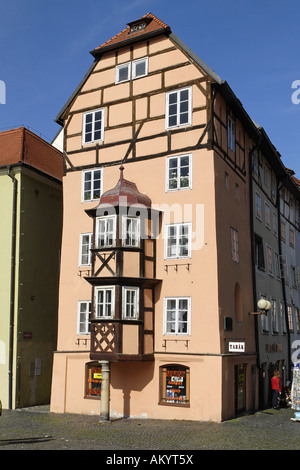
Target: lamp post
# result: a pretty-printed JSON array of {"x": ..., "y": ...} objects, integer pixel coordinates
[{"x": 264, "y": 306}]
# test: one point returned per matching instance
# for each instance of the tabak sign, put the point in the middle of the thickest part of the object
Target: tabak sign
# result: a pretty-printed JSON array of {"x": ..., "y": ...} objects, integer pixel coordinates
[{"x": 175, "y": 386}]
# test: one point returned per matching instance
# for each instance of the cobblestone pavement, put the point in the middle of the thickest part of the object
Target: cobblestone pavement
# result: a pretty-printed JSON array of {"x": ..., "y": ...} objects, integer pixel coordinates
[{"x": 38, "y": 429}]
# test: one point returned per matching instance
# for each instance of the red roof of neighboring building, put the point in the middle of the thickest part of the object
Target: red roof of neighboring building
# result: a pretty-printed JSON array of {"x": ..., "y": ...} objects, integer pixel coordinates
[
  {"x": 153, "y": 26},
  {"x": 21, "y": 145}
]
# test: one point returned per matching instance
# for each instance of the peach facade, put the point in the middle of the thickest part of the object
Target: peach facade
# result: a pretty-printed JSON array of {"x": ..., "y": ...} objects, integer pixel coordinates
[{"x": 136, "y": 132}]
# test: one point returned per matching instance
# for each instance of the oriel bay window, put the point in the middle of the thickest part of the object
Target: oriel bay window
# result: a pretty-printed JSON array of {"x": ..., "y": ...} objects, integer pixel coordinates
[
  {"x": 106, "y": 231},
  {"x": 131, "y": 231},
  {"x": 174, "y": 385},
  {"x": 104, "y": 302},
  {"x": 130, "y": 303}
]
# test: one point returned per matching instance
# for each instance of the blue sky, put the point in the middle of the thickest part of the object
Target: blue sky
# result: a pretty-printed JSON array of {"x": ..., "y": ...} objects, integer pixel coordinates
[{"x": 252, "y": 44}]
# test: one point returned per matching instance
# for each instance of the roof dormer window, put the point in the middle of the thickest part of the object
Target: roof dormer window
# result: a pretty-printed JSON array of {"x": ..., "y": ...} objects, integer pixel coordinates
[{"x": 137, "y": 27}]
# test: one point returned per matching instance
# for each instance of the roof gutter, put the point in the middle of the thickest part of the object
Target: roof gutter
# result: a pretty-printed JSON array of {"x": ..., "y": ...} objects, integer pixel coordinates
[{"x": 12, "y": 287}]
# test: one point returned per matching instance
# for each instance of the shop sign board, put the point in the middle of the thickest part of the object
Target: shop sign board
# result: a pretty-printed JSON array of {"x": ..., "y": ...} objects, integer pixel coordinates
[{"x": 236, "y": 346}]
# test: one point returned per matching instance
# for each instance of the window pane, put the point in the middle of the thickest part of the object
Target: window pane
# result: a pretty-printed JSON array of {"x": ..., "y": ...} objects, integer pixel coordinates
[
  {"x": 140, "y": 69},
  {"x": 123, "y": 73}
]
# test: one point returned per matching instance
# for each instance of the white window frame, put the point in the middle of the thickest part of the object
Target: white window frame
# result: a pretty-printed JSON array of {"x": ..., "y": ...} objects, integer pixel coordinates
[
  {"x": 179, "y": 178},
  {"x": 122, "y": 66},
  {"x": 86, "y": 321},
  {"x": 131, "y": 70},
  {"x": 177, "y": 228},
  {"x": 234, "y": 241},
  {"x": 137, "y": 234},
  {"x": 231, "y": 133},
  {"x": 106, "y": 232},
  {"x": 189, "y": 111},
  {"x": 135, "y": 304},
  {"x": 135, "y": 63},
  {"x": 105, "y": 304},
  {"x": 177, "y": 322},
  {"x": 84, "y": 133},
  {"x": 92, "y": 190},
  {"x": 89, "y": 245}
]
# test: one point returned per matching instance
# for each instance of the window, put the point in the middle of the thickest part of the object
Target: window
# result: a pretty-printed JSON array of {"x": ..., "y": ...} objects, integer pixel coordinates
[
  {"x": 93, "y": 126},
  {"x": 282, "y": 231},
  {"x": 258, "y": 206},
  {"x": 179, "y": 172},
  {"x": 93, "y": 380},
  {"x": 269, "y": 260},
  {"x": 275, "y": 224},
  {"x": 297, "y": 315},
  {"x": 282, "y": 316},
  {"x": 123, "y": 72},
  {"x": 267, "y": 216},
  {"x": 84, "y": 317},
  {"x": 291, "y": 238},
  {"x": 174, "y": 385},
  {"x": 226, "y": 180},
  {"x": 274, "y": 316},
  {"x": 104, "y": 302},
  {"x": 231, "y": 133},
  {"x": 178, "y": 241},
  {"x": 131, "y": 231},
  {"x": 178, "y": 108},
  {"x": 290, "y": 317},
  {"x": 138, "y": 68},
  {"x": 85, "y": 249},
  {"x": 92, "y": 185},
  {"x": 235, "y": 245},
  {"x": 277, "y": 265},
  {"x": 259, "y": 253},
  {"x": 177, "y": 315},
  {"x": 130, "y": 303},
  {"x": 255, "y": 163},
  {"x": 105, "y": 232}
]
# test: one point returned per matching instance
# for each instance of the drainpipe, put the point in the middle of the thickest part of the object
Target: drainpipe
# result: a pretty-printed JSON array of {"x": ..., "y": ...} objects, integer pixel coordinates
[{"x": 12, "y": 287}]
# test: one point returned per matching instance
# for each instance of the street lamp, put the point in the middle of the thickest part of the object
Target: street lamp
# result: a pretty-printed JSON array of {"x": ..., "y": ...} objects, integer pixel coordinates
[{"x": 264, "y": 306}]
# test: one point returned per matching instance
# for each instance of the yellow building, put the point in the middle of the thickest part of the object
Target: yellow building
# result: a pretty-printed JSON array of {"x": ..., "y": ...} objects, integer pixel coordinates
[
  {"x": 156, "y": 272},
  {"x": 30, "y": 235}
]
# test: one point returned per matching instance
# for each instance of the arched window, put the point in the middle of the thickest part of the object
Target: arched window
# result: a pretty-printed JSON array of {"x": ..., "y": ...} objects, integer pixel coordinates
[
  {"x": 174, "y": 385},
  {"x": 238, "y": 303}
]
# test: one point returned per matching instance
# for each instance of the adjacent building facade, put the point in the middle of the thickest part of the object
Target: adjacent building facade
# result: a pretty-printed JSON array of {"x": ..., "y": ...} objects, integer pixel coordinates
[{"x": 31, "y": 223}]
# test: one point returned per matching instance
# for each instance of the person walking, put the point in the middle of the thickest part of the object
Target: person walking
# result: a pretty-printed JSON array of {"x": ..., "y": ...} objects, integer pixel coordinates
[{"x": 276, "y": 388}]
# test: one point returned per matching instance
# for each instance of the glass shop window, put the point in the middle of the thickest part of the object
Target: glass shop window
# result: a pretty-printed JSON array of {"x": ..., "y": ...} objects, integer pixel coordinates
[
  {"x": 93, "y": 380},
  {"x": 175, "y": 385}
]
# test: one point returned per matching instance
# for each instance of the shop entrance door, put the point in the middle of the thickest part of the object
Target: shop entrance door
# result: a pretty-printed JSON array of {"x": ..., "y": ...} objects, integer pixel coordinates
[{"x": 240, "y": 388}]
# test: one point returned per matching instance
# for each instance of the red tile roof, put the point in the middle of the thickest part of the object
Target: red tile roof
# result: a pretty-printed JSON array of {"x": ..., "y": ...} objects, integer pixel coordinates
[
  {"x": 21, "y": 145},
  {"x": 153, "y": 26}
]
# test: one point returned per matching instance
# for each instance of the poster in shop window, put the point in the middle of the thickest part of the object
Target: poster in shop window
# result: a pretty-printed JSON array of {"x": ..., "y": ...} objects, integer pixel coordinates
[
  {"x": 175, "y": 386},
  {"x": 94, "y": 381}
]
